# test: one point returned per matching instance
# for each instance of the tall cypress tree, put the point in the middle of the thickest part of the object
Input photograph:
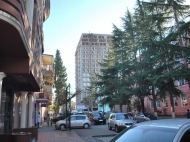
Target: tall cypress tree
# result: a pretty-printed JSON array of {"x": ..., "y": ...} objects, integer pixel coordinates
[{"x": 60, "y": 79}]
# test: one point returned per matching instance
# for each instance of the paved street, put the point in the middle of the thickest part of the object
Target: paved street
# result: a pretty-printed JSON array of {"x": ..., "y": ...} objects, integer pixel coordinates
[{"x": 97, "y": 133}]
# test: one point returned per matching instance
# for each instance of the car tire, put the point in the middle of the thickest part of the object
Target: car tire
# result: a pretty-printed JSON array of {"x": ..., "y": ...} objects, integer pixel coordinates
[
  {"x": 86, "y": 126},
  {"x": 116, "y": 129},
  {"x": 62, "y": 127},
  {"x": 109, "y": 127},
  {"x": 104, "y": 122}
]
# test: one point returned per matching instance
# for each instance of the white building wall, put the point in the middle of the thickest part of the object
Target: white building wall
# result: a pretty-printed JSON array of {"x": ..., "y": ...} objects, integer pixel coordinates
[{"x": 91, "y": 49}]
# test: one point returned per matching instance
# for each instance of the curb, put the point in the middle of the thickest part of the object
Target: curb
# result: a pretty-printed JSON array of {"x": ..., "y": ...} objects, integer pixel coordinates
[{"x": 110, "y": 135}]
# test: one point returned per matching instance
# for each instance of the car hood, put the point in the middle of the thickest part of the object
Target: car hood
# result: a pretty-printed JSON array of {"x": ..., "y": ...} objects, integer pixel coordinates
[
  {"x": 61, "y": 121},
  {"x": 126, "y": 121}
]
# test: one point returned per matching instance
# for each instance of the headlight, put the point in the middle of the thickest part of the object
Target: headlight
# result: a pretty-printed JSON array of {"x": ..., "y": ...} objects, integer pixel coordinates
[{"x": 121, "y": 124}]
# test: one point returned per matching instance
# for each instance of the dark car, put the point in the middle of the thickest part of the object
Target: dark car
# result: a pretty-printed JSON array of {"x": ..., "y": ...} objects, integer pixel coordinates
[
  {"x": 131, "y": 115},
  {"x": 150, "y": 116},
  {"x": 98, "y": 117},
  {"x": 57, "y": 118},
  {"x": 165, "y": 130},
  {"x": 141, "y": 117}
]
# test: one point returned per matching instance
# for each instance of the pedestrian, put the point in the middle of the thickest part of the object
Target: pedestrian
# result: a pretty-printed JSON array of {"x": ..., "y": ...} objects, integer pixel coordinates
[
  {"x": 47, "y": 119},
  {"x": 188, "y": 114},
  {"x": 38, "y": 119}
]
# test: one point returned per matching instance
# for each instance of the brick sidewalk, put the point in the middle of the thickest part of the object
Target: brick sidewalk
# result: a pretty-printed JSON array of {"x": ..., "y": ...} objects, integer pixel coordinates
[{"x": 49, "y": 134}]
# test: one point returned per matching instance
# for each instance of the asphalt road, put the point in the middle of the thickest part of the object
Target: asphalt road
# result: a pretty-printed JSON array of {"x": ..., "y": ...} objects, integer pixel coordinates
[{"x": 97, "y": 133}]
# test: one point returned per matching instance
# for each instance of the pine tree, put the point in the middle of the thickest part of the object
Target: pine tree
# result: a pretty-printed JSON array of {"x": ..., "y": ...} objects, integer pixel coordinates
[{"x": 60, "y": 79}]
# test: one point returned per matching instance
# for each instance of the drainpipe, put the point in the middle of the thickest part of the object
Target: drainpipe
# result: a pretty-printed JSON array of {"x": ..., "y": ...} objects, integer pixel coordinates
[{"x": 2, "y": 75}]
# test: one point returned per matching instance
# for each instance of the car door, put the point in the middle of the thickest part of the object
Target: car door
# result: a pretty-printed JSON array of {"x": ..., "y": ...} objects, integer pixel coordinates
[
  {"x": 112, "y": 120},
  {"x": 80, "y": 121},
  {"x": 73, "y": 121}
]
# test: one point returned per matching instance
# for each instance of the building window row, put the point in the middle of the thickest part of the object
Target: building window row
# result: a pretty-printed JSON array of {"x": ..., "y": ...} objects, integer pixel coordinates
[
  {"x": 183, "y": 100},
  {"x": 93, "y": 43}
]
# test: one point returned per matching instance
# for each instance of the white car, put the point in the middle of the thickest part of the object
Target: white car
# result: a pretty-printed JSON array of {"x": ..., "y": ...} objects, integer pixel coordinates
[
  {"x": 120, "y": 121},
  {"x": 75, "y": 121},
  {"x": 164, "y": 130}
]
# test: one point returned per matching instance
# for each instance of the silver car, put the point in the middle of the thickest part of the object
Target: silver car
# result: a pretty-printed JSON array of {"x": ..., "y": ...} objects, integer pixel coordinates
[
  {"x": 164, "y": 130},
  {"x": 75, "y": 121},
  {"x": 119, "y": 121},
  {"x": 141, "y": 118}
]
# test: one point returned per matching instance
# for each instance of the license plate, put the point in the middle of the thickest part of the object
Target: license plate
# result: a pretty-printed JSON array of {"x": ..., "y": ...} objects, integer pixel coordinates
[{"x": 100, "y": 120}]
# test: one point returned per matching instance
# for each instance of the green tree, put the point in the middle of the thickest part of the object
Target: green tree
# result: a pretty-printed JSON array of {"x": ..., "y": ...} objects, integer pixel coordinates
[{"x": 60, "y": 79}]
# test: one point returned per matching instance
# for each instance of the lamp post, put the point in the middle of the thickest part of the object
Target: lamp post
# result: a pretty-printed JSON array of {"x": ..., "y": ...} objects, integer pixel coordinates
[{"x": 67, "y": 93}]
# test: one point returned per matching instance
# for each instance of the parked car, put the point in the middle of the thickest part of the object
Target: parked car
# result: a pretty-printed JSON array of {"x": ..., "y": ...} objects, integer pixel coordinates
[
  {"x": 141, "y": 117},
  {"x": 75, "y": 121},
  {"x": 131, "y": 115},
  {"x": 165, "y": 130},
  {"x": 150, "y": 116},
  {"x": 57, "y": 118},
  {"x": 97, "y": 117},
  {"x": 120, "y": 121}
]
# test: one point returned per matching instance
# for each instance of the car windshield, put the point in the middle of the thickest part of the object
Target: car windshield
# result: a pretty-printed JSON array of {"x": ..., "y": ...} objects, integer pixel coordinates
[
  {"x": 97, "y": 114},
  {"x": 148, "y": 134},
  {"x": 122, "y": 116}
]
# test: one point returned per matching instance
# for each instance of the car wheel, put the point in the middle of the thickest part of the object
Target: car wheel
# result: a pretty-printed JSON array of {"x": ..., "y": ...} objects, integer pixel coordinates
[
  {"x": 109, "y": 127},
  {"x": 116, "y": 129},
  {"x": 86, "y": 126},
  {"x": 62, "y": 127},
  {"x": 104, "y": 122}
]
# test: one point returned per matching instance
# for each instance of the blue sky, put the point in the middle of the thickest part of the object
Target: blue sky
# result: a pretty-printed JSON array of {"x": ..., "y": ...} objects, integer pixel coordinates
[{"x": 70, "y": 18}]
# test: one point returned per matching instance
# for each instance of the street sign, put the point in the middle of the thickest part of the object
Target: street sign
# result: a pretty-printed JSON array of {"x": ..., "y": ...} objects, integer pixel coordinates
[{"x": 43, "y": 105}]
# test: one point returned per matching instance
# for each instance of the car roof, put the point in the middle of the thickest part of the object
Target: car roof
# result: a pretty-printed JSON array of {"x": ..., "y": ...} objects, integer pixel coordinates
[
  {"x": 167, "y": 123},
  {"x": 79, "y": 115},
  {"x": 118, "y": 113}
]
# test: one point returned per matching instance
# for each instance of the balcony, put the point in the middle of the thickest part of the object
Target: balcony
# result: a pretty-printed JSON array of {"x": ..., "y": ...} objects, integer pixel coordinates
[{"x": 42, "y": 97}]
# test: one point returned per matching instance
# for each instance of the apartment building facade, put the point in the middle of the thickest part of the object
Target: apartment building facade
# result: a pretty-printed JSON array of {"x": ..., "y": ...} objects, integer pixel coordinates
[
  {"x": 21, "y": 49},
  {"x": 91, "y": 49}
]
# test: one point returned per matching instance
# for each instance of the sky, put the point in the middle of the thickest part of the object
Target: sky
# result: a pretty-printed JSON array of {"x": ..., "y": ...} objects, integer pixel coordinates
[{"x": 70, "y": 18}]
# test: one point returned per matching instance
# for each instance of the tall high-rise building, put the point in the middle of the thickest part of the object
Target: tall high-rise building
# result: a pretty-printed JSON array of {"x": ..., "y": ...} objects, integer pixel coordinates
[{"x": 91, "y": 49}]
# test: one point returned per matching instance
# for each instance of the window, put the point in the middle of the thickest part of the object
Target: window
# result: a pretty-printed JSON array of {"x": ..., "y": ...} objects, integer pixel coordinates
[
  {"x": 165, "y": 103},
  {"x": 177, "y": 61},
  {"x": 151, "y": 104},
  {"x": 183, "y": 100},
  {"x": 181, "y": 82},
  {"x": 158, "y": 103},
  {"x": 175, "y": 101},
  {"x": 73, "y": 118},
  {"x": 80, "y": 117}
]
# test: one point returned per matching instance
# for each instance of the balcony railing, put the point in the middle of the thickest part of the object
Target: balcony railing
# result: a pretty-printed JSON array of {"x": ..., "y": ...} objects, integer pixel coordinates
[{"x": 47, "y": 67}]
